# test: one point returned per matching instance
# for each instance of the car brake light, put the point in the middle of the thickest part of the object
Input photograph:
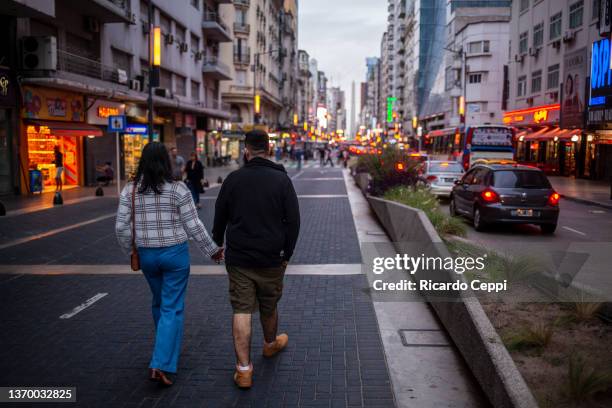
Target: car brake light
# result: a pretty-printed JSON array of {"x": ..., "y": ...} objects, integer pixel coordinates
[
  {"x": 432, "y": 178},
  {"x": 399, "y": 166},
  {"x": 554, "y": 199},
  {"x": 490, "y": 196}
]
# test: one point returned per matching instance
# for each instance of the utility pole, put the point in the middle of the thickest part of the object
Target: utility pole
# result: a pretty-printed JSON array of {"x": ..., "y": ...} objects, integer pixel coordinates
[{"x": 150, "y": 99}]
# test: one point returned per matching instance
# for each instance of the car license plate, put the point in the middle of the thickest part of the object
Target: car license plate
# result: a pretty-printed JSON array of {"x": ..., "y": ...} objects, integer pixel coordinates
[
  {"x": 449, "y": 180},
  {"x": 521, "y": 212}
]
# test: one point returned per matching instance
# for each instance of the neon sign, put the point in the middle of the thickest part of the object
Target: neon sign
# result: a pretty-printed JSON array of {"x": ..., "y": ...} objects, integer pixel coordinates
[
  {"x": 106, "y": 111},
  {"x": 540, "y": 116}
]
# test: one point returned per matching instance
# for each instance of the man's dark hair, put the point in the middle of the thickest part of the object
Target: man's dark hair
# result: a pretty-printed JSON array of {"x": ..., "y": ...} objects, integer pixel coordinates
[
  {"x": 154, "y": 168},
  {"x": 108, "y": 163},
  {"x": 257, "y": 141}
]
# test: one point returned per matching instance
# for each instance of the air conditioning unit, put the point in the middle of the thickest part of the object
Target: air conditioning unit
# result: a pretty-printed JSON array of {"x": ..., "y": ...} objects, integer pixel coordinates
[
  {"x": 519, "y": 58},
  {"x": 132, "y": 18},
  {"x": 135, "y": 85},
  {"x": 92, "y": 25},
  {"x": 122, "y": 76},
  {"x": 557, "y": 45},
  {"x": 534, "y": 52},
  {"x": 199, "y": 55},
  {"x": 39, "y": 53},
  {"x": 163, "y": 92},
  {"x": 183, "y": 47},
  {"x": 169, "y": 39},
  {"x": 530, "y": 101},
  {"x": 569, "y": 36},
  {"x": 145, "y": 27}
]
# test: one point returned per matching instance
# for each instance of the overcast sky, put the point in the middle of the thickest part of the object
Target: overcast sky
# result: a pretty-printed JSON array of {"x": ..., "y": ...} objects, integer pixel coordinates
[{"x": 340, "y": 34}]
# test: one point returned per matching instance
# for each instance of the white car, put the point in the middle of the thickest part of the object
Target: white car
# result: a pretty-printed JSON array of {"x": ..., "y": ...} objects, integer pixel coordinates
[{"x": 441, "y": 176}]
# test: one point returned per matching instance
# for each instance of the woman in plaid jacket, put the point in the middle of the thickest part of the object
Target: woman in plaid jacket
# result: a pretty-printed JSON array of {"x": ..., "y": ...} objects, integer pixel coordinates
[{"x": 164, "y": 217}]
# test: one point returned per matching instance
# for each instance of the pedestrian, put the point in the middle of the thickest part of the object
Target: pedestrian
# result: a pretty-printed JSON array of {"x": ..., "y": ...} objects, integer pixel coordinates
[
  {"x": 345, "y": 157},
  {"x": 178, "y": 165},
  {"x": 58, "y": 161},
  {"x": 107, "y": 174},
  {"x": 156, "y": 217},
  {"x": 257, "y": 211},
  {"x": 328, "y": 157},
  {"x": 321, "y": 156},
  {"x": 194, "y": 170}
]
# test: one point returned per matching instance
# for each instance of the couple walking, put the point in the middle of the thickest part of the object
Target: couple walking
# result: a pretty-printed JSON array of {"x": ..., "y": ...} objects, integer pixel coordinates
[{"x": 256, "y": 216}]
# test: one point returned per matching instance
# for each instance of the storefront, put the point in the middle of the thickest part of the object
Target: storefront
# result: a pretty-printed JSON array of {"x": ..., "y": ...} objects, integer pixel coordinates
[
  {"x": 598, "y": 143},
  {"x": 135, "y": 138},
  {"x": 8, "y": 105},
  {"x": 99, "y": 150},
  {"x": 54, "y": 118},
  {"x": 542, "y": 142}
]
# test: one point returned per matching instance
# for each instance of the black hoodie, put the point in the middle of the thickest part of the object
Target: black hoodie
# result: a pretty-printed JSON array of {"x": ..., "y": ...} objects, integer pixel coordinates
[{"x": 258, "y": 206}]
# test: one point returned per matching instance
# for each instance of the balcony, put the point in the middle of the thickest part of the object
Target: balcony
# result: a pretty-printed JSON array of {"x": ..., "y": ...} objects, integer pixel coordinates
[
  {"x": 213, "y": 68},
  {"x": 105, "y": 11},
  {"x": 241, "y": 28},
  {"x": 76, "y": 64},
  {"x": 242, "y": 57},
  {"x": 213, "y": 28},
  {"x": 242, "y": 3}
]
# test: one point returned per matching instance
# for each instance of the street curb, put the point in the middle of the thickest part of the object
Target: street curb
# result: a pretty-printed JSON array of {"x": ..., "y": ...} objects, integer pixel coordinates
[
  {"x": 465, "y": 320},
  {"x": 588, "y": 202}
]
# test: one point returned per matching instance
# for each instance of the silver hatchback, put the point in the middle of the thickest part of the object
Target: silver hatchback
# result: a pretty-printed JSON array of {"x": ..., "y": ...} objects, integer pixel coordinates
[{"x": 440, "y": 176}]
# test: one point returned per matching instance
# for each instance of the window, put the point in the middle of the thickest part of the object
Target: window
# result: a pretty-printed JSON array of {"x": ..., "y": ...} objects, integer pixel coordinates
[
  {"x": 195, "y": 43},
  {"x": 523, "y": 42},
  {"x": 241, "y": 16},
  {"x": 180, "y": 33},
  {"x": 475, "y": 78},
  {"x": 181, "y": 85},
  {"x": 475, "y": 47},
  {"x": 576, "y": 11},
  {"x": 144, "y": 12},
  {"x": 524, "y": 5},
  {"x": 165, "y": 79},
  {"x": 553, "y": 77},
  {"x": 164, "y": 23},
  {"x": 538, "y": 35},
  {"x": 520, "y": 179},
  {"x": 122, "y": 60},
  {"x": 555, "y": 26},
  {"x": 486, "y": 46},
  {"x": 241, "y": 77},
  {"x": 195, "y": 90},
  {"x": 195, "y": 3},
  {"x": 595, "y": 10},
  {"x": 521, "y": 86},
  {"x": 536, "y": 81}
]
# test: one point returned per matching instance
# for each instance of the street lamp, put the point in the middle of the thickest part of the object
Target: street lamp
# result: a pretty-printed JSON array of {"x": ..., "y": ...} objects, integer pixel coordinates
[
  {"x": 256, "y": 96},
  {"x": 154, "y": 63}
]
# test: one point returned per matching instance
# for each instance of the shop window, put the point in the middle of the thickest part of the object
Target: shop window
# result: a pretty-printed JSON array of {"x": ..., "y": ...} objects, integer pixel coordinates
[
  {"x": 576, "y": 11},
  {"x": 538, "y": 35},
  {"x": 555, "y": 26},
  {"x": 524, "y": 42},
  {"x": 553, "y": 77},
  {"x": 41, "y": 156},
  {"x": 536, "y": 81}
]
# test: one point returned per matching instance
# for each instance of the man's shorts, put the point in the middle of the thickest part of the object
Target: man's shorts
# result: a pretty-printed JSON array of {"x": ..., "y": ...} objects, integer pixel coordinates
[
  {"x": 249, "y": 287},
  {"x": 58, "y": 172}
]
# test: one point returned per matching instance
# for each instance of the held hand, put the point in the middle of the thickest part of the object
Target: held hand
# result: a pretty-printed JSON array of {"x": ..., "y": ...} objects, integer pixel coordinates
[
  {"x": 218, "y": 256},
  {"x": 285, "y": 263}
]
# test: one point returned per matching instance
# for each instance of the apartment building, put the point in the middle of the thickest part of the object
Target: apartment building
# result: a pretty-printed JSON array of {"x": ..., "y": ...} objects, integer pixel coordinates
[
  {"x": 370, "y": 114},
  {"x": 336, "y": 110},
  {"x": 264, "y": 54},
  {"x": 549, "y": 68},
  {"x": 80, "y": 62}
]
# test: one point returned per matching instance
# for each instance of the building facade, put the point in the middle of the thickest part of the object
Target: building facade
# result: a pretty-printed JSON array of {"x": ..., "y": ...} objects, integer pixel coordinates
[
  {"x": 551, "y": 87},
  {"x": 77, "y": 68},
  {"x": 264, "y": 54}
]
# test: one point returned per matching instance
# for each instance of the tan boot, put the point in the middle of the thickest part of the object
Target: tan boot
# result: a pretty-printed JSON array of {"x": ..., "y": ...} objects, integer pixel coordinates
[
  {"x": 244, "y": 379},
  {"x": 280, "y": 343}
]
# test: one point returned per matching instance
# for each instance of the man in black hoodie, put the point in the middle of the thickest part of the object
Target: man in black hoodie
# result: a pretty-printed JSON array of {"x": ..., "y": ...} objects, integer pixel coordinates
[{"x": 258, "y": 213}]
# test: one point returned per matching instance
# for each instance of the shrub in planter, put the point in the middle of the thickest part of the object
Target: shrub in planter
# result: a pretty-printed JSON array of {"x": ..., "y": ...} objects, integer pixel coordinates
[{"x": 389, "y": 169}]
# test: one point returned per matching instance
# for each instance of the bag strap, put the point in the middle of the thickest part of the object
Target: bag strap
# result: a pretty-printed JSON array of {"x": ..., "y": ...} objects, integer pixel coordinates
[{"x": 134, "y": 216}]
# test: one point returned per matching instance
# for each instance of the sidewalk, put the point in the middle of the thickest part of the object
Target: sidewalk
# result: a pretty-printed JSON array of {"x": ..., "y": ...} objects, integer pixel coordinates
[
  {"x": 19, "y": 204},
  {"x": 584, "y": 191}
]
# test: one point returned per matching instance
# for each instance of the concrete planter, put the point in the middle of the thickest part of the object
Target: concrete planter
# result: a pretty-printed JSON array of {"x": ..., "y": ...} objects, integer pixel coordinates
[{"x": 464, "y": 319}]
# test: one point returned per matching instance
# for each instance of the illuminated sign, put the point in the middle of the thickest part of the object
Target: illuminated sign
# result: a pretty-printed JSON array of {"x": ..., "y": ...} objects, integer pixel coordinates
[
  {"x": 540, "y": 116},
  {"x": 136, "y": 130},
  {"x": 601, "y": 75},
  {"x": 535, "y": 115},
  {"x": 106, "y": 111}
]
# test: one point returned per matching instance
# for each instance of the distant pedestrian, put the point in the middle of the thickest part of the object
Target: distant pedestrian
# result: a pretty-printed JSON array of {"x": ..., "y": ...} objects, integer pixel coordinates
[
  {"x": 328, "y": 157},
  {"x": 345, "y": 157},
  {"x": 178, "y": 165},
  {"x": 194, "y": 169},
  {"x": 58, "y": 161},
  {"x": 156, "y": 217},
  {"x": 257, "y": 212}
]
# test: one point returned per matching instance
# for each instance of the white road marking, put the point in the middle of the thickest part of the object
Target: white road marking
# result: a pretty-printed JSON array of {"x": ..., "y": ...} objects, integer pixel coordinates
[
  {"x": 321, "y": 179},
  {"x": 297, "y": 175},
  {"x": 83, "y": 306},
  {"x": 323, "y": 196},
  {"x": 55, "y": 231},
  {"x": 576, "y": 231}
]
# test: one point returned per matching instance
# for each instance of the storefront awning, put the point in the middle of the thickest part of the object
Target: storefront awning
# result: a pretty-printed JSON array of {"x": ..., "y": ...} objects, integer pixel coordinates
[
  {"x": 67, "y": 128},
  {"x": 552, "y": 133}
]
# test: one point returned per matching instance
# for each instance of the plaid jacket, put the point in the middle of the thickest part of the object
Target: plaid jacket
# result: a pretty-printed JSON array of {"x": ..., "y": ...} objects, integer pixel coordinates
[{"x": 162, "y": 220}]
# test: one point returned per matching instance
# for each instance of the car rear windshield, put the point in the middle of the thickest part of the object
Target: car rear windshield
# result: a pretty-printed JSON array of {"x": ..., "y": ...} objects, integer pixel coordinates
[
  {"x": 520, "y": 179},
  {"x": 445, "y": 168}
]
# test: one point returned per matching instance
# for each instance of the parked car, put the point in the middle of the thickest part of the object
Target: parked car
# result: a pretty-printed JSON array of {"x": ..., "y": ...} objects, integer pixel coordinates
[
  {"x": 440, "y": 176},
  {"x": 512, "y": 194}
]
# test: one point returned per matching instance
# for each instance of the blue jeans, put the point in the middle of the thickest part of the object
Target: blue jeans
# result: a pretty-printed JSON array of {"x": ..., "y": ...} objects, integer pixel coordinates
[
  {"x": 167, "y": 272},
  {"x": 195, "y": 191}
]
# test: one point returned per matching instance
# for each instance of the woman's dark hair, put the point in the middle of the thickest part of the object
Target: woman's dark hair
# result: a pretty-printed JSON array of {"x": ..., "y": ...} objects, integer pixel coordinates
[{"x": 154, "y": 168}]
